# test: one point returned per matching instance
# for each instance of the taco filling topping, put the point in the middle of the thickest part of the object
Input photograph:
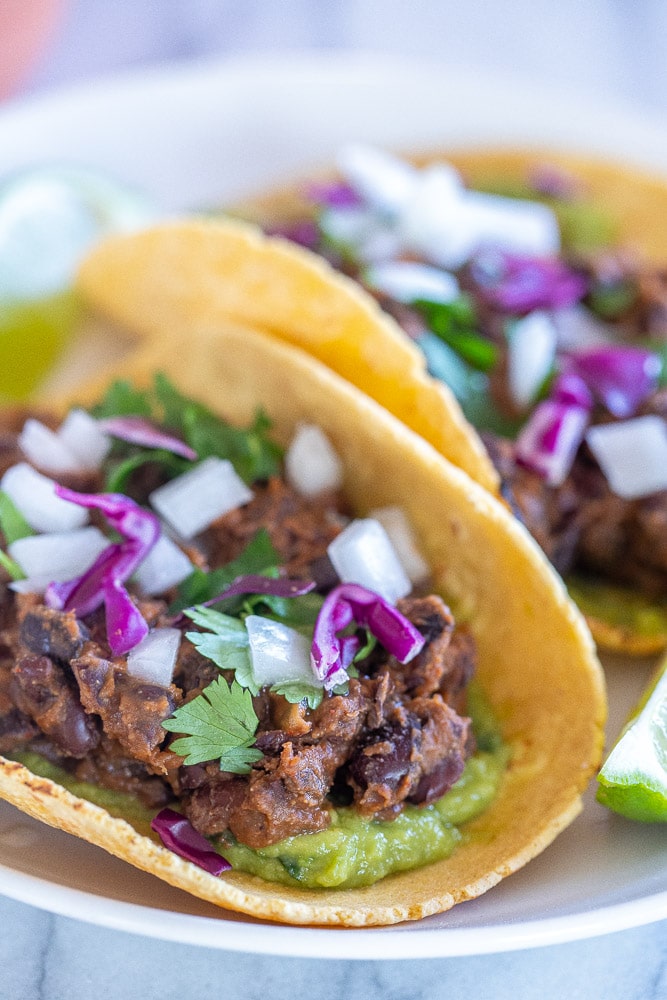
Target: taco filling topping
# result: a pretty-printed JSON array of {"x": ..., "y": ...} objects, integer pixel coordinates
[
  {"x": 551, "y": 337},
  {"x": 196, "y": 632}
]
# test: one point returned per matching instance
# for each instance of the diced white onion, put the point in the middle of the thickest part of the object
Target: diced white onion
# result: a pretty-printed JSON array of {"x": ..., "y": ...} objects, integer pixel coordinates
[
  {"x": 34, "y": 495},
  {"x": 407, "y": 281},
  {"x": 513, "y": 223},
  {"x": 361, "y": 232},
  {"x": 45, "y": 449},
  {"x": 311, "y": 462},
  {"x": 402, "y": 537},
  {"x": 165, "y": 566},
  {"x": 429, "y": 220},
  {"x": 200, "y": 496},
  {"x": 81, "y": 433},
  {"x": 531, "y": 352},
  {"x": 59, "y": 556},
  {"x": 447, "y": 225},
  {"x": 278, "y": 653},
  {"x": 578, "y": 328},
  {"x": 382, "y": 180},
  {"x": 362, "y": 553},
  {"x": 632, "y": 454},
  {"x": 154, "y": 658}
]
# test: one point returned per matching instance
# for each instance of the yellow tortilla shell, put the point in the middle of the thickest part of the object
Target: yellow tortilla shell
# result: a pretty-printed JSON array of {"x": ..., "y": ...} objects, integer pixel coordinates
[
  {"x": 537, "y": 663},
  {"x": 633, "y": 199},
  {"x": 227, "y": 269}
]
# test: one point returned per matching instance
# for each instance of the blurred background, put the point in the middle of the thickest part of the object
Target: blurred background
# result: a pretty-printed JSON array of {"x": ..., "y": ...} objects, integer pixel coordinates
[{"x": 609, "y": 49}]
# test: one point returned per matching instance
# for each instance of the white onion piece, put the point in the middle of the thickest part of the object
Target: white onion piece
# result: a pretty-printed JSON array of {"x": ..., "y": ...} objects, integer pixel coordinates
[
  {"x": 34, "y": 495},
  {"x": 447, "y": 225},
  {"x": 531, "y": 353},
  {"x": 153, "y": 659},
  {"x": 59, "y": 556},
  {"x": 362, "y": 553},
  {"x": 407, "y": 281},
  {"x": 279, "y": 653},
  {"x": 382, "y": 180},
  {"x": 361, "y": 232},
  {"x": 632, "y": 454},
  {"x": 45, "y": 449},
  {"x": 165, "y": 566},
  {"x": 578, "y": 328},
  {"x": 81, "y": 433},
  {"x": 513, "y": 224},
  {"x": 311, "y": 462},
  {"x": 200, "y": 496},
  {"x": 402, "y": 537},
  {"x": 429, "y": 221}
]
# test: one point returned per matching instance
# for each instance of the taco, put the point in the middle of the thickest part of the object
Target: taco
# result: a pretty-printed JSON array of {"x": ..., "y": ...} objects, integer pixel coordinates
[
  {"x": 98, "y": 740},
  {"x": 504, "y": 306}
]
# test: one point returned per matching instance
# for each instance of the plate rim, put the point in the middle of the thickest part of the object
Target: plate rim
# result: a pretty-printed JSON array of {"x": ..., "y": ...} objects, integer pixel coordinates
[{"x": 366, "y": 943}]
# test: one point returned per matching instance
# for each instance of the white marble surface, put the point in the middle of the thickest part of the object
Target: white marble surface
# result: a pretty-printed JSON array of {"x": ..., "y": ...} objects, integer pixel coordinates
[{"x": 608, "y": 49}]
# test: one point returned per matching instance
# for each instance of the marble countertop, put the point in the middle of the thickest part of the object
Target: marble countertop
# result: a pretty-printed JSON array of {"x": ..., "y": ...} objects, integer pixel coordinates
[{"x": 611, "y": 50}]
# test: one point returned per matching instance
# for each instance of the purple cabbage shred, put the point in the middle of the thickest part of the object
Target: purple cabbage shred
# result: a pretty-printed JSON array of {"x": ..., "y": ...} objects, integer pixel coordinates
[
  {"x": 518, "y": 284},
  {"x": 351, "y": 603},
  {"x": 177, "y": 833},
  {"x": 103, "y": 582},
  {"x": 137, "y": 430},
  {"x": 619, "y": 377}
]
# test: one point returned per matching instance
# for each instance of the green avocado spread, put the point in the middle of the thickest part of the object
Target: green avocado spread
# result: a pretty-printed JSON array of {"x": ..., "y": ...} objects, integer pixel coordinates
[{"x": 353, "y": 851}]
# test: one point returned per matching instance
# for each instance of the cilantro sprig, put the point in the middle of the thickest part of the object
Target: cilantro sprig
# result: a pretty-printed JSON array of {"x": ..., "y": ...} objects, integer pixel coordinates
[
  {"x": 252, "y": 452},
  {"x": 220, "y": 724}
]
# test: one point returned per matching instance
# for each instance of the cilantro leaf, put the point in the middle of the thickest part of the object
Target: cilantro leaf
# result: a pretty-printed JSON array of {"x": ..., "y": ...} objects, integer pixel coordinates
[
  {"x": 455, "y": 323},
  {"x": 219, "y": 724},
  {"x": 299, "y": 612},
  {"x": 119, "y": 473},
  {"x": 251, "y": 451},
  {"x": 294, "y": 692},
  {"x": 226, "y": 644},
  {"x": 259, "y": 556},
  {"x": 11, "y": 567},
  {"x": 123, "y": 400},
  {"x": 12, "y": 522}
]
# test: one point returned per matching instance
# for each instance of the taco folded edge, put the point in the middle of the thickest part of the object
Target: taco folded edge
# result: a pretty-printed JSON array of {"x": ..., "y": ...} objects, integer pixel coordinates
[{"x": 536, "y": 661}]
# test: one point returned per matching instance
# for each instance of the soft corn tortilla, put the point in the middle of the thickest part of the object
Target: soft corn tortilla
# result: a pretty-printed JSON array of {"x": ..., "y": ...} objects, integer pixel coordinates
[
  {"x": 635, "y": 201},
  {"x": 226, "y": 269},
  {"x": 537, "y": 663}
]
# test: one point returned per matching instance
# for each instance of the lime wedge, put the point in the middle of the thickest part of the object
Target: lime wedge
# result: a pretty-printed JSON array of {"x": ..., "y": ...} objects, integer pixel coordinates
[
  {"x": 633, "y": 780},
  {"x": 49, "y": 217}
]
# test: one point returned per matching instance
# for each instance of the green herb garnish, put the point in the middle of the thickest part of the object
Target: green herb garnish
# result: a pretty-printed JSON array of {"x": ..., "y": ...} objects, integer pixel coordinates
[
  {"x": 225, "y": 643},
  {"x": 251, "y": 451},
  {"x": 456, "y": 324},
  {"x": 12, "y": 522},
  {"x": 259, "y": 556},
  {"x": 219, "y": 724}
]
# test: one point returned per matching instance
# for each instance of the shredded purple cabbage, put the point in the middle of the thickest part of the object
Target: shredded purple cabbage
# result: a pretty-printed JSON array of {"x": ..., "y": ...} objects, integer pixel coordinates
[
  {"x": 571, "y": 389},
  {"x": 253, "y": 583},
  {"x": 620, "y": 377},
  {"x": 335, "y": 194},
  {"x": 137, "y": 430},
  {"x": 305, "y": 232},
  {"x": 177, "y": 833},
  {"x": 103, "y": 582},
  {"x": 549, "y": 441},
  {"x": 518, "y": 284},
  {"x": 348, "y": 603}
]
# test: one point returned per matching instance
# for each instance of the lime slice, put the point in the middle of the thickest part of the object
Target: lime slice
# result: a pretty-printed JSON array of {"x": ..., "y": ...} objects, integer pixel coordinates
[
  {"x": 49, "y": 217},
  {"x": 633, "y": 780}
]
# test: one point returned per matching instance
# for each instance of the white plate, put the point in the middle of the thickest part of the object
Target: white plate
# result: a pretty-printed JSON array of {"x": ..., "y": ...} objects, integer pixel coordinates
[{"x": 200, "y": 135}]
